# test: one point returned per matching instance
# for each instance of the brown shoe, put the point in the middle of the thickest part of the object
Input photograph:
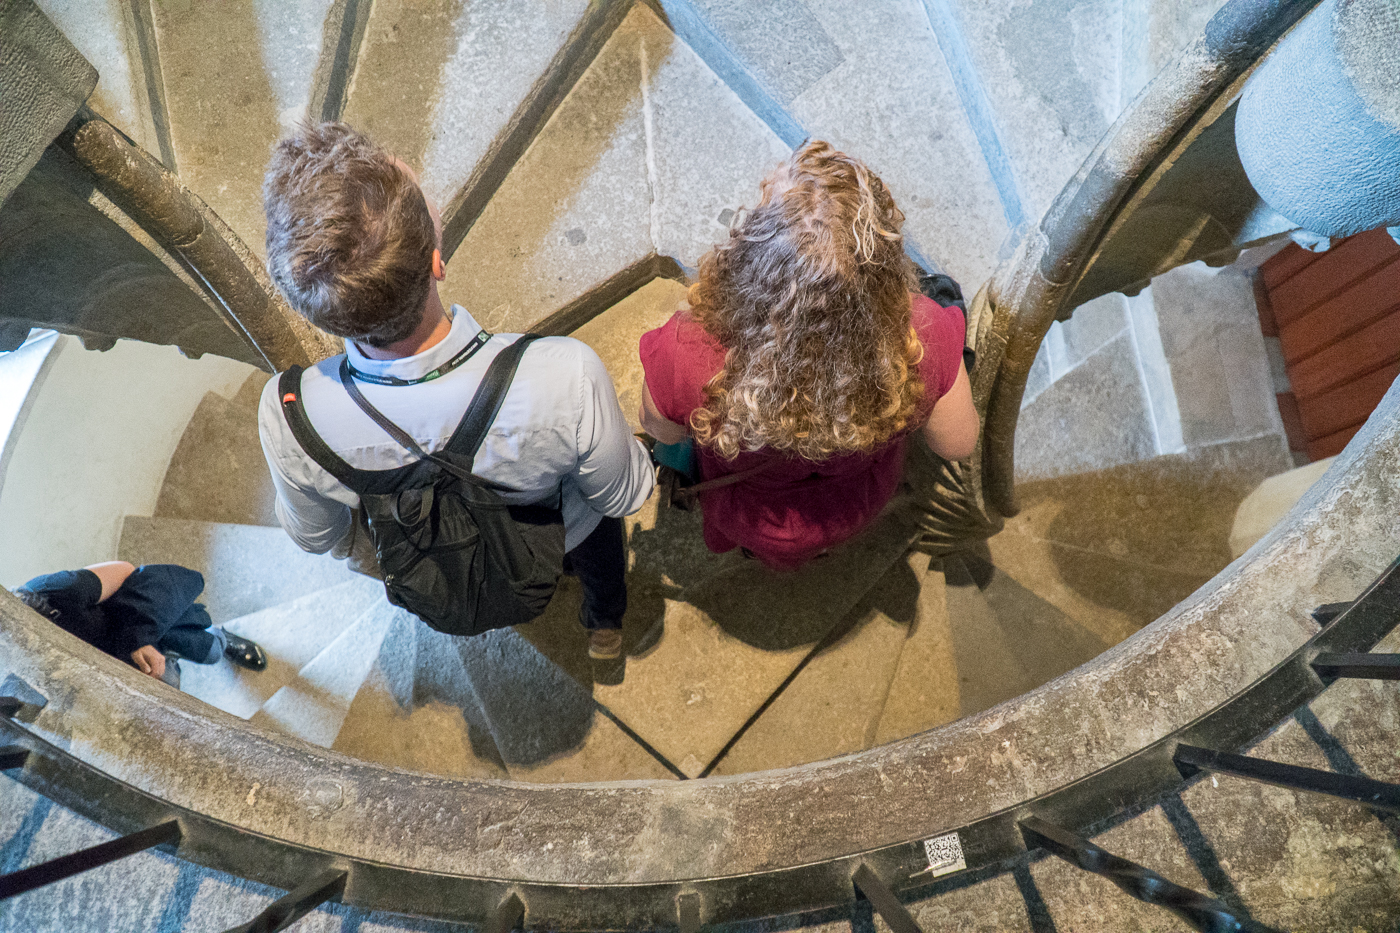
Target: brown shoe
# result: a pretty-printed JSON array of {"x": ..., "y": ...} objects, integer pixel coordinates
[{"x": 605, "y": 644}]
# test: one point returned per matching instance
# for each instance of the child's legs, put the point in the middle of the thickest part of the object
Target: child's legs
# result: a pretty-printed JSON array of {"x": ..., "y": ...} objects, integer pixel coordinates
[{"x": 192, "y": 638}]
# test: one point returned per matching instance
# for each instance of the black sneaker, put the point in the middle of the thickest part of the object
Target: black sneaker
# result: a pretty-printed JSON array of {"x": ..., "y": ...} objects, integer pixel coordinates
[{"x": 244, "y": 653}]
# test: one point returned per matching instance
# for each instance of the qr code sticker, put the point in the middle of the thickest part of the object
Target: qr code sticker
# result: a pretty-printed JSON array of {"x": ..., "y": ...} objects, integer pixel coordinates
[{"x": 945, "y": 855}]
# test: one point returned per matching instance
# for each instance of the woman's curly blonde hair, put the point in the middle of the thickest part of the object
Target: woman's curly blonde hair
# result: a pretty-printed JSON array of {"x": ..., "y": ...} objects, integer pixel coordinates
[{"x": 810, "y": 296}]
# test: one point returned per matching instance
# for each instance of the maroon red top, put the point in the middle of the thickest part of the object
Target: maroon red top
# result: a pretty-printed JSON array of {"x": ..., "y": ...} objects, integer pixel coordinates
[{"x": 796, "y": 508}]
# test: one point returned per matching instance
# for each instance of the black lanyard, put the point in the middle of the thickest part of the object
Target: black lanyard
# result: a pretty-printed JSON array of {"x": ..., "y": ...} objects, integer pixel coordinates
[{"x": 466, "y": 353}]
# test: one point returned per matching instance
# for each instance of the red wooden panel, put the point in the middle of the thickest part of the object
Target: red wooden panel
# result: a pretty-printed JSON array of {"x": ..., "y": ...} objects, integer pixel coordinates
[
  {"x": 1363, "y": 302},
  {"x": 1267, "y": 324},
  {"x": 1343, "y": 264},
  {"x": 1332, "y": 444},
  {"x": 1347, "y": 405},
  {"x": 1292, "y": 421},
  {"x": 1284, "y": 264},
  {"x": 1369, "y": 348}
]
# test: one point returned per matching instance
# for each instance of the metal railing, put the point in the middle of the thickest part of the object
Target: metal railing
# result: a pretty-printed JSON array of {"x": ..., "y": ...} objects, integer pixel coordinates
[{"x": 1053, "y": 822}]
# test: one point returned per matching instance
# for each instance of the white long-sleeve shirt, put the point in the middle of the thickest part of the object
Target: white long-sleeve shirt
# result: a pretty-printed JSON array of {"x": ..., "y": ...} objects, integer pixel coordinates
[{"x": 560, "y": 427}]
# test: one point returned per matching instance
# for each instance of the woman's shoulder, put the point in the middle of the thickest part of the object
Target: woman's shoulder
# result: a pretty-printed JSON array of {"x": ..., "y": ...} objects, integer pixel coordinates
[
  {"x": 679, "y": 358},
  {"x": 942, "y": 331}
]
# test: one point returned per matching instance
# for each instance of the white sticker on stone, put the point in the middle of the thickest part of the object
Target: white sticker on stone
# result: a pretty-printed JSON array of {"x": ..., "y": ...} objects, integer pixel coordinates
[{"x": 945, "y": 855}]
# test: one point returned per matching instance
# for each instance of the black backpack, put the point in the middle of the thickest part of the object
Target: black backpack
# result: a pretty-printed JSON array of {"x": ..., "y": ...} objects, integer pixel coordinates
[{"x": 452, "y": 552}]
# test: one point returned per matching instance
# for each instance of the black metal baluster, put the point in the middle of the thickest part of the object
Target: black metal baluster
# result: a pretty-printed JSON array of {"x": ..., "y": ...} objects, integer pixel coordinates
[
  {"x": 1357, "y": 664},
  {"x": 507, "y": 915},
  {"x": 13, "y": 756},
  {"x": 290, "y": 908},
  {"x": 27, "y": 879},
  {"x": 688, "y": 912},
  {"x": 1328, "y": 611},
  {"x": 895, "y": 914},
  {"x": 1200, "y": 912},
  {"x": 1375, "y": 794}
]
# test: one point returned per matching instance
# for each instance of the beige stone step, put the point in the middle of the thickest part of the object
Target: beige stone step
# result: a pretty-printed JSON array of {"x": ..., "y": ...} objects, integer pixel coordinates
[
  {"x": 313, "y": 706},
  {"x": 291, "y": 635},
  {"x": 924, "y": 691},
  {"x": 709, "y": 653},
  {"x": 217, "y": 473},
  {"x": 833, "y": 706},
  {"x": 246, "y": 567},
  {"x": 645, "y": 155}
]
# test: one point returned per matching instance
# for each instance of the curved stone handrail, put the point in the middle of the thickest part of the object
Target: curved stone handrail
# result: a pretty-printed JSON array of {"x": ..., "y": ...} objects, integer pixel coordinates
[
  {"x": 270, "y": 807},
  {"x": 177, "y": 219},
  {"x": 1028, "y": 293}
]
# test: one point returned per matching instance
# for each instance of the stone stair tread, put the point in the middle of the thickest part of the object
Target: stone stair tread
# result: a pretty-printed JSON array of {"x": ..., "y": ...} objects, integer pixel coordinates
[
  {"x": 924, "y": 689},
  {"x": 727, "y": 642},
  {"x": 990, "y": 667},
  {"x": 313, "y": 706},
  {"x": 474, "y": 65},
  {"x": 643, "y": 156},
  {"x": 217, "y": 473},
  {"x": 291, "y": 634},
  {"x": 246, "y": 567},
  {"x": 934, "y": 165},
  {"x": 614, "y": 335},
  {"x": 833, "y": 706},
  {"x": 544, "y": 721},
  {"x": 226, "y": 106},
  {"x": 1047, "y": 642}
]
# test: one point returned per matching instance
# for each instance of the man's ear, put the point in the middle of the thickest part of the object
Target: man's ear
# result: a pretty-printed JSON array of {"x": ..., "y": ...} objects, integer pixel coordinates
[{"x": 439, "y": 267}]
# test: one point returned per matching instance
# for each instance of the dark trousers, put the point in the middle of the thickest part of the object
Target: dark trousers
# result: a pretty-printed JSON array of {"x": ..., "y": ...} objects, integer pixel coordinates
[
  {"x": 600, "y": 563},
  {"x": 190, "y": 637}
]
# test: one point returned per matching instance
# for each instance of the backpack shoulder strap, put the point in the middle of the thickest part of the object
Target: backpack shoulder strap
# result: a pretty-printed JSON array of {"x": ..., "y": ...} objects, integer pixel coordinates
[
  {"x": 487, "y": 401},
  {"x": 289, "y": 390}
]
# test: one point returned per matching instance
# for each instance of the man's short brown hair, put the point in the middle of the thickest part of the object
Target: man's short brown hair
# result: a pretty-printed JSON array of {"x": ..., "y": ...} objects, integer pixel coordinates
[{"x": 349, "y": 237}]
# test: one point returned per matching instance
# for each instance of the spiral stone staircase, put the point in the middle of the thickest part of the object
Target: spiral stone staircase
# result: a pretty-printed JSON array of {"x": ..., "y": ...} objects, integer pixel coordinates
[{"x": 586, "y": 155}]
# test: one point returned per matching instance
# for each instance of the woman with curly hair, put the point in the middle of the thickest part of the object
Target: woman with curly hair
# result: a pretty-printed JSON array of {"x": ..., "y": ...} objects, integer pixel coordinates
[{"x": 802, "y": 359}]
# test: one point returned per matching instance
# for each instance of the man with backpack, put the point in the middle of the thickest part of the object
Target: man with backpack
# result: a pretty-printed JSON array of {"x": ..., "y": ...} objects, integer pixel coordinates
[{"x": 476, "y": 465}]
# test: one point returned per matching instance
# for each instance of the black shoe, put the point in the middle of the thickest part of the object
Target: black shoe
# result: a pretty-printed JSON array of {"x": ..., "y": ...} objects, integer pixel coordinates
[{"x": 244, "y": 653}]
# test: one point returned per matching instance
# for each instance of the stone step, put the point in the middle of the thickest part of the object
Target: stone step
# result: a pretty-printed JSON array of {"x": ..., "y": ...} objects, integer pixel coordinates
[
  {"x": 877, "y": 86},
  {"x": 834, "y": 705},
  {"x": 924, "y": 690},
  {"x": 313, "y": 706},
  {"x": 291, "y": 634},
  {"x": 246, "y": 568},
  {"x": 397, "y": 720},
  {"x": 710, "y": 637},
  {"x": 649, "y": 153},
  {"x": 217, "y": 473}
]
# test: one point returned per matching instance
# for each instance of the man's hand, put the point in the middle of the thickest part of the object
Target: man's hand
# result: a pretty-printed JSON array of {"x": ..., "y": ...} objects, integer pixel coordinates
[{"x": 149, "y": 660}]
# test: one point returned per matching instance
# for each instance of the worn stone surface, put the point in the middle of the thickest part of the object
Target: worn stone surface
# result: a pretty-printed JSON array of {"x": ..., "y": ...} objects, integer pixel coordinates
[
  {"x": 102, "y": 32},
  {"x": 833, "y": 707},
  {"x": 575, "y": 209},
  {"x": 1173, "y": 512},
  {"x": 223, "y": 109},
  {"x": 614, "y": 336},
  {"x": 291, "y": 635},
  {"x": 1093, "y": 418},
  {"x": 691, "y": 691},
  {"x": 1049, "y": 72},
  {"x": 438, "y": 83},
  {"x": 1006, "y": 639},
  {"x": 245, "y": 567},
  {"x": 313, "y": 706},
  {"x": 1036, "y": 565},
  {"x": 892, "y": 102},
  {"x": 1210, "y": 333},
  {"x": 1269, "y": 502},
  {"x": 707, "y": 151},
  {"x": 217, "y": 473},
  {"x": 924, "y": 690}
]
